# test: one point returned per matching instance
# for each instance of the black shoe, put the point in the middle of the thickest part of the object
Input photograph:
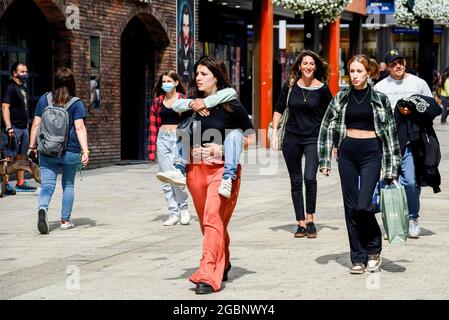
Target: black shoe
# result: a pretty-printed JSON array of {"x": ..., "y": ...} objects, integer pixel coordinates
[
  {"x": 225, "y": 273},
  {"x": 203, "y": 288},
  {"x": 311, "y": 230},
  {"x": 300, "y": 232},
  {"x": 42, "y": 222}
]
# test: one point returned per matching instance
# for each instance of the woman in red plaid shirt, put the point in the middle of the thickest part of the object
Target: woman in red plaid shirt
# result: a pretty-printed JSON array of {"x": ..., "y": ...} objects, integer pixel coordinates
[{"x": 162, "y": 141}]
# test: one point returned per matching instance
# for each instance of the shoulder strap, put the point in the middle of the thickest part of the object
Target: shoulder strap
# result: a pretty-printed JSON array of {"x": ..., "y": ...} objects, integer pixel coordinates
[
  {"x": 49, "y": 98},
  {"x": 71, "y": 102}
]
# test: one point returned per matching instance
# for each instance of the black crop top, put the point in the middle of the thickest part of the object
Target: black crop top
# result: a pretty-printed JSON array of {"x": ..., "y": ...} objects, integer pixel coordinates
[
  {"x": 359, "y": 112},
  {"x": 168, "y": 116}
]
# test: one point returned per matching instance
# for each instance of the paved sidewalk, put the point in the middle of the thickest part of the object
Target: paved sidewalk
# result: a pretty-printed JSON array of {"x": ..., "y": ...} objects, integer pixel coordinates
[{"x": 120, "y": 250}]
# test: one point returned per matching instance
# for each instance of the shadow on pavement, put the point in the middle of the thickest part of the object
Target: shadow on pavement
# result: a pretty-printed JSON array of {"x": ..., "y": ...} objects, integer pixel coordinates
[
  {"x": 426, "y": 232},
  {"x": 77, "y": 222},
  {"x": 344, "y": 260},
  {"x": 235, "y": 273},
  {"x": 291, "y": 228}
]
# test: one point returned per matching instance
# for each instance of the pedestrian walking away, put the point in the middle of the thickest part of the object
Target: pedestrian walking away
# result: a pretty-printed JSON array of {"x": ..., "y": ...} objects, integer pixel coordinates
[
  {"x": 398, "y": 85},
  {"x": 307, "y": 98},
  {"x": 205, "y": 172},
  {"x": 59, "y": 106},
  {"x": 15, "y": 105},
  {"x": 162, "y": 141},
  {"x": 359, "y": 122}
]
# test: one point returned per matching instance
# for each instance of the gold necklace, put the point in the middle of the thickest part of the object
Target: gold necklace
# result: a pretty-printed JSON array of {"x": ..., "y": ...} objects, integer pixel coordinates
[
  {"x": 353, "y": 95},
  {"x": 305, "y": 96}
]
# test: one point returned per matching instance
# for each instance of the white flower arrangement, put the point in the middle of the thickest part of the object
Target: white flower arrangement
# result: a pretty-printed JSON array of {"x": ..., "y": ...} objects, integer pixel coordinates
[
  {"x": 327, "y": 10},
  {"x": 437, "y": 10}
]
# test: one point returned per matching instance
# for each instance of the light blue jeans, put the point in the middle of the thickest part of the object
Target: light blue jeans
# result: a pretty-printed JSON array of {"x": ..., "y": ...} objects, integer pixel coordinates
[
  {"x": 49, "y": 172},
  {"x": 232, "y": 148},
  {"x": 408, "y": 180},
  {"x": 176, "y": 196}
]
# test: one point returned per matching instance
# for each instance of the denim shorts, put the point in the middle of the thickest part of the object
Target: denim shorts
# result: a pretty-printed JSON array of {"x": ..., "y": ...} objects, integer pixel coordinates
[{"x": 18, "y": 144}]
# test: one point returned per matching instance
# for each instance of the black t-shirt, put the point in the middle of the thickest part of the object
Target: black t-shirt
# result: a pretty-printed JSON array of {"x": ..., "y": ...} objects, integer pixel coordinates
[
  {"x": 359, "y": 113},
  {"x": 217, "y": 124},
  {"x": 306, "y": 110},
  {"x": 17, "y": 98}
]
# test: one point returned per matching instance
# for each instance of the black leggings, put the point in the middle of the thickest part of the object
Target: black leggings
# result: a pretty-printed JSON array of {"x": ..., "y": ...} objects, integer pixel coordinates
[
  {"x": 360, "y": 158},
  {"x": 293, "y": 151}
]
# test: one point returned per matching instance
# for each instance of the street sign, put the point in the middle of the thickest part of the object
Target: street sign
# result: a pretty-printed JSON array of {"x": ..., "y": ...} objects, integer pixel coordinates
[{"x": 383, "y": 7}]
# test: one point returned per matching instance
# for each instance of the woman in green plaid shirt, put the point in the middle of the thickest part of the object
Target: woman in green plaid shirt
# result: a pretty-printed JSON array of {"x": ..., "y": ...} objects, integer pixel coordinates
[{"x": 359, "y": 123}]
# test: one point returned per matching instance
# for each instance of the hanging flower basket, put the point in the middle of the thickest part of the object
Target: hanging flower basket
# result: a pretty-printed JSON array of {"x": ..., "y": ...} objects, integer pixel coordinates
[
  {"x": 437, "y": 10},
  {"x": 327, "y": 10}
]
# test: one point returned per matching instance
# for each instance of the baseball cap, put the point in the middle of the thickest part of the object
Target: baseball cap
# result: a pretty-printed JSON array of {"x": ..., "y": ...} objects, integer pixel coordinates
[{"x": 393, "y": 55}]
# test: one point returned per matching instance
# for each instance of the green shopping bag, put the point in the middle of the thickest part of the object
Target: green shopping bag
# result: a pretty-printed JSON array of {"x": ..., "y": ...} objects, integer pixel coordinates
[{"x": 393, "y": 204}]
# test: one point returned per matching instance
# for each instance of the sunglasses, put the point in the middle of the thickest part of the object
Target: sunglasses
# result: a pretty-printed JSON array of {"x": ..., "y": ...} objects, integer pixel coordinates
[{"x": 397, "y": 62}]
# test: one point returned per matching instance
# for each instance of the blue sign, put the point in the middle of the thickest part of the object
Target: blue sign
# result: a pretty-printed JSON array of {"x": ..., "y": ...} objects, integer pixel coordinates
[
  {"x": 399, "y": 30},
  {"x": 380, "y": 7}
]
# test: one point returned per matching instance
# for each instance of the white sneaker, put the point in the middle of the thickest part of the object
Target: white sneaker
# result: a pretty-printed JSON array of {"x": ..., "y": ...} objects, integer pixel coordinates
[
  {"x": 413, "y": 229},
  {"x": 185, "y": 217},
  {"x": 172, "y": 220},
  {"x": 225, "y": 188},
  {"x": 66, "y": 225},
  {"x": 374, "y": 262},
  {"x": 173, "y": 177},
  {"x": 385, "y": 236}
]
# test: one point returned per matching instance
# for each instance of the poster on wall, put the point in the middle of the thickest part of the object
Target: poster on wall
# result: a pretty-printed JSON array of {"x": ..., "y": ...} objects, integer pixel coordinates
[{"x": 186, "y": 38}]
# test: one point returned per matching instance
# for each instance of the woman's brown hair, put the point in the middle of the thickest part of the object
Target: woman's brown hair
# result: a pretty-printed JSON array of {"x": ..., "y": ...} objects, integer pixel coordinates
[
  {"x": 218, "y": 68},
  {"x": 370, "y": 65},
  {"x": 65, "y": 87},
  {"x": 321, "y": 72},
  {"x": 158, "y": 88}
]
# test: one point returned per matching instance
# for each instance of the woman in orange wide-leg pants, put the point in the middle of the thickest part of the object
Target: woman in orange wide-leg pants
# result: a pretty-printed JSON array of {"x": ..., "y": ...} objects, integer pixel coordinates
[{"x": 214, "y": 213}]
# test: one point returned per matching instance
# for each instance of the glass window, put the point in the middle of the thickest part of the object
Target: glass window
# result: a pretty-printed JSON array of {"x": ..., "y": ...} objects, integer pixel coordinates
[{"x": 95, "y": 52}]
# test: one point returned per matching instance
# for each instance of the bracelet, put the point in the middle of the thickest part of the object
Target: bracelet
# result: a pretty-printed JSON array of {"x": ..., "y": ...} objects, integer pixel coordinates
[
  {"x": 85, "y": 152},
  {"x": 32, "y": 148}
]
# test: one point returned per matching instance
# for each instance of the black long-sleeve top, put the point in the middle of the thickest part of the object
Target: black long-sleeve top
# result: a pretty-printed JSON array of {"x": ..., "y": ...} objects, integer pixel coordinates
[{"x": 307, "y": 108}]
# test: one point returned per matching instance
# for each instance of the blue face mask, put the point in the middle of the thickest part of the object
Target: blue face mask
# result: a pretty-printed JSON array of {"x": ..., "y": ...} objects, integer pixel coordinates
[
  {"x": 23, "y": 77},
  {"x": 168, "y": 86}
]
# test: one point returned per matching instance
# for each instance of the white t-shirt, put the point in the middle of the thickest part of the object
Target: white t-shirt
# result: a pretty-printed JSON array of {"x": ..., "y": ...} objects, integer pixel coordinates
[{"x": 398, "y": 89}]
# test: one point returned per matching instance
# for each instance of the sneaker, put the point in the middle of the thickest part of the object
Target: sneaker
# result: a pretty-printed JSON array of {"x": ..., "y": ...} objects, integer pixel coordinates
[
  {"x": 185, "y": 217},
  {"x": 300, "y": 232},
  {"x": 9, "y": 190},
  {"x": 311, "y": 230},
  {"x": 173, "y": 177},
  {"x": 66, "y": 224},
  {"x": 385, "y": 236},
  {"x": 42, "y": 222},
  {"x": 357, "y": 268},
  {"x": 25, "y": 187},
  {"x": 413, "y": 229},
  {"x": 172, "y": 220},
  {"x": 374, "y": 262},
  {"x": 225, "y": 188}
]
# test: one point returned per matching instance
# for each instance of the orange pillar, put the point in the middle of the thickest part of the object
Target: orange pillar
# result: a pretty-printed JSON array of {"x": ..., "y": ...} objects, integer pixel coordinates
[
  {"x": 334, "y": 56},
  {"x": 263, "y": 65}
]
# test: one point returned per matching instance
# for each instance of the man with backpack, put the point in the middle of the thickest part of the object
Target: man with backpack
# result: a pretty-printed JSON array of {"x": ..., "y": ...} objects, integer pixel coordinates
[
  {"x": 59, "y": 135},
  {"x": 15, "y": 118}
]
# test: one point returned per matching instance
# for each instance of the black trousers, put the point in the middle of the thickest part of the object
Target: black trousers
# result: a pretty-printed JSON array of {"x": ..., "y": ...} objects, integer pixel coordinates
[
  {"x": 293, "y": 151},
  {"x": 359, "y": 164}
]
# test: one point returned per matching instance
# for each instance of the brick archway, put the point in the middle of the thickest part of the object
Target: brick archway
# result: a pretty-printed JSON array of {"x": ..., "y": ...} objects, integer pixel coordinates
[
  {"x": 52, "y": 9},
  {"x": 154, "y": 21}
]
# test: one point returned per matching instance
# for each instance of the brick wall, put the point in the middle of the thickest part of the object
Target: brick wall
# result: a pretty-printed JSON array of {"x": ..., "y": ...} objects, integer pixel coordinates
[{"x": 107, "y": 19}]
